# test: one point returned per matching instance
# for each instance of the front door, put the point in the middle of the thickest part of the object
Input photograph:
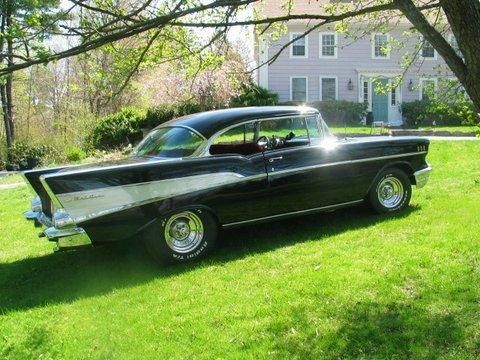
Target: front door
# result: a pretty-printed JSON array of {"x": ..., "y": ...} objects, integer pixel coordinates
[
  {"x": 298, "y": 166},
  {"x": 380, "y": 101}
]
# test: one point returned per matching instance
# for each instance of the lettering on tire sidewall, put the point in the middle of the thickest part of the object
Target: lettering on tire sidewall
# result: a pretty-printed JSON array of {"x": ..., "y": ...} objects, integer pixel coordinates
[
  {"x": 405, "y": 194},
  {"x": 192, "y": 255}
]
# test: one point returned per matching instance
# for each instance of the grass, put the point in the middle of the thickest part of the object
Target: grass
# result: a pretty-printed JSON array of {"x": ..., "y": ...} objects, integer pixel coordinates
[
  {"x": 338, "y": 130},
  {"x": 347, "y": 284},
  {"x": 11, "y": 179}
]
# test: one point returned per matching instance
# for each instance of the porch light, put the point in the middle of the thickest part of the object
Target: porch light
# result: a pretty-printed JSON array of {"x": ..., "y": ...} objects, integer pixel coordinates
[
  {"x": 350, "y": 85},
  {"x": 410, "y": 85}
]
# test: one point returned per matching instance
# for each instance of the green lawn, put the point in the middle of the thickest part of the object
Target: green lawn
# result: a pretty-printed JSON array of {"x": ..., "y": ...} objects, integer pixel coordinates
[
  {"x": 347, "y": 284},
  {"x": 339, "y": 130},
  {"x": 10, "y": 179}
]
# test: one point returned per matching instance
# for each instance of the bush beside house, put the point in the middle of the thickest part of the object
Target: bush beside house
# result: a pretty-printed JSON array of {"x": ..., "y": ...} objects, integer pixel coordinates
[
  {"x": 438, "y": 113},
  {"x": 337, "y": 112}
]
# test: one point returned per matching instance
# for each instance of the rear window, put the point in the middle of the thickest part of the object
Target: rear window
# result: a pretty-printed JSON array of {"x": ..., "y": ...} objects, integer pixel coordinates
[{"x": 170, "y": 142}]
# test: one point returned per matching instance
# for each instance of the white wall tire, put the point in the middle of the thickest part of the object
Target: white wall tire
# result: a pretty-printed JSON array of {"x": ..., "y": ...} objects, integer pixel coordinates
[
  {"x": 391, "y": 192},
  {"x": 182, "y": 236}
]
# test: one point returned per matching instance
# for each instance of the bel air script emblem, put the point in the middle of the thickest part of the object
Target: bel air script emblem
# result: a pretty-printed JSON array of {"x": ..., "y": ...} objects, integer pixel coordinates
[{"x": 87, "y": 197}]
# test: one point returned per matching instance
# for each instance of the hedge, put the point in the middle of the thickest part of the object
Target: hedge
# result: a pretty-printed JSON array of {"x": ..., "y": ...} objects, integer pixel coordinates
[
  {"x": 25, "y": 156},
  {"x": 117, "y": 130},
  {"x": 435, "y": 112},
  {"x": 337, "y": 112}
]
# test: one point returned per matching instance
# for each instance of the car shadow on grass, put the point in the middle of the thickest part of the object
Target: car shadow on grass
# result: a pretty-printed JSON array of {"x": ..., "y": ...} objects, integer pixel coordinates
[{"x": 67, "y": 276}]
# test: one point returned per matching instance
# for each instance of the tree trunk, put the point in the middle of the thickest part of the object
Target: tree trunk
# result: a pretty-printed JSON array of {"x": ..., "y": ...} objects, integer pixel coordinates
[
  {"x": 9, "y": 80},
  {"x": 6, "y": 122},
  {"x": 464, "y": 19}
]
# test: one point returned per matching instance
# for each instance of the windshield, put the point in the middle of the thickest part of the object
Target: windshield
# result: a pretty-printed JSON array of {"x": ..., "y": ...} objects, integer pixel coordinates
[{"x": 170, "y": 142}]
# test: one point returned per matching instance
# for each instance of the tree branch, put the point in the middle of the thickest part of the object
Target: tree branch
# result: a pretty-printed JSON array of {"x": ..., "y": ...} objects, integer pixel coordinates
[{"x": 415, "y": 16}]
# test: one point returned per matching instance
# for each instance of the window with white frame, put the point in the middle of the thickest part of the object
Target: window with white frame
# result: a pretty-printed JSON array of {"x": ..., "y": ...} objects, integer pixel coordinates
[
  {"x": 328, "y": 88},
  {"x": 428, "y": 88},
  {"x": 393, "y": 97},
  {"x": 298, "y": 88},
  {"x": 428, "y": 51},
  {"x": 380, "y": 46},
  {"x": 299, "y": 47},
  {"x": 365, "y": 93},
  {"x": 328, "y": 45}
]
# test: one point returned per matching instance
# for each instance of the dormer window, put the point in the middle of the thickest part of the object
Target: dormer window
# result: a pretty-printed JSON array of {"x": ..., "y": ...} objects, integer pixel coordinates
[{"x": 299, "y": 46}]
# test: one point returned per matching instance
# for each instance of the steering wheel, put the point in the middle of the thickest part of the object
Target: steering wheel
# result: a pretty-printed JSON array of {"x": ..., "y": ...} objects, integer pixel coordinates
[
  {"x": 276, "y": 142},
  {"x": 263, "y": 142}
]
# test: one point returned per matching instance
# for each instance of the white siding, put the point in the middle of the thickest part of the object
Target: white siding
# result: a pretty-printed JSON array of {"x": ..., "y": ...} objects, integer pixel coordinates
[{"x": 351, "y": 57}]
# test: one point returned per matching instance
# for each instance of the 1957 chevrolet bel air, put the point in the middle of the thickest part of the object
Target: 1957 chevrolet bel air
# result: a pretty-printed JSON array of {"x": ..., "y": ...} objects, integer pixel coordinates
[{"x": 197, "y": 174}]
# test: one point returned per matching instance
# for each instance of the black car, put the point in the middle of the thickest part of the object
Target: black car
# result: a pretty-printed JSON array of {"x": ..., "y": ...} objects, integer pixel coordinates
[{"x": 194, "y": 175}]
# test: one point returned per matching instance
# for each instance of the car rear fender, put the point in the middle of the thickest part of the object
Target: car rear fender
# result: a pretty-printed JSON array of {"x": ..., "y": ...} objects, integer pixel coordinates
[{"x": 402, "y": 165}]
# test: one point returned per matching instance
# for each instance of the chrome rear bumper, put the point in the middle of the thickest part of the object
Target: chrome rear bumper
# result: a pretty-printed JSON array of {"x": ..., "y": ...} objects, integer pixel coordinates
[
  {"x": 421, "y": 176},
  {"x": 38, "y": 217},
  {"x": 66, "y": 238}
]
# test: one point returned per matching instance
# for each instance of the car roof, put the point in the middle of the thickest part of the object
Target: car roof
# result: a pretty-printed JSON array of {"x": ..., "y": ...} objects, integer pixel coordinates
[{"x": 210, "y": 122}]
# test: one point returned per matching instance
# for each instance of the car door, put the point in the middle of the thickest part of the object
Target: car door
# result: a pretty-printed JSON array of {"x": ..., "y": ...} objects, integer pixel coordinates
[
  {"x": 308, "y": 171},
  {"x": 236, "y": 152}
]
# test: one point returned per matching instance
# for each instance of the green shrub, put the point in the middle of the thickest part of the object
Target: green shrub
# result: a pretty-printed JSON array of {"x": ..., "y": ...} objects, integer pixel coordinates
[
  {"x": 254, "y": 95},
  {"x": 337, "y": 112},
  {"x": 26, "y": 156},
  {"x": 439, "y": 113},
  {"x": 75, "y": 154},
  {"x": 341, "y": 112},
  {"x": 416, "y": 113},
  {"x": 117, "y": 130},
  {"x": 162, "y": 113}
]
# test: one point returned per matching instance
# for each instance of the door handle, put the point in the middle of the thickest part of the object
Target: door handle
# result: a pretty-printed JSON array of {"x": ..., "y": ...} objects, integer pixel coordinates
[{"x": 271, "y": 160}]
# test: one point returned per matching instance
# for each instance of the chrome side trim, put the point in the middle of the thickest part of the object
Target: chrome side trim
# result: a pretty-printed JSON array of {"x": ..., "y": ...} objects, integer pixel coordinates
[
  {"x": 299, "y": 212},
  {"x": 421, "y": 176},
  {"x": 346, "y": 162},
  {"x": 89, "y": 204},
  {"x": 188, "y": 128},
  {"x": 106, "y": 168}
]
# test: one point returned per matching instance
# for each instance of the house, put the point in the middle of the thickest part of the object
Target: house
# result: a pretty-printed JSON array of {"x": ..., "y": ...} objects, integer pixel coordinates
[{"x": 327, "y": 65}]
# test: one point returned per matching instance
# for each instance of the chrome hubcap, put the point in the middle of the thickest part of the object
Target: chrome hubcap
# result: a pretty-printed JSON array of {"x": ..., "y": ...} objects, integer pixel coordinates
[
  {"x": 390, "y": 192},
  {"x": 183, "y": 232}
]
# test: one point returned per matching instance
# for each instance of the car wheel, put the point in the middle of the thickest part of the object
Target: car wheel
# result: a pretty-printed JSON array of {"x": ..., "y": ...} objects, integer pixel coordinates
[
  {"x": 182, "y": 236},
  {"x": 391, "y": 191}
]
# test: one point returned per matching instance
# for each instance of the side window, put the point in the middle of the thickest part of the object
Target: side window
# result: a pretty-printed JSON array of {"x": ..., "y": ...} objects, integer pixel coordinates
[
  {"x": 283, "y": 133},
  {"x": 239, "y": 140},
  {"x": 237, "y": 135}
]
